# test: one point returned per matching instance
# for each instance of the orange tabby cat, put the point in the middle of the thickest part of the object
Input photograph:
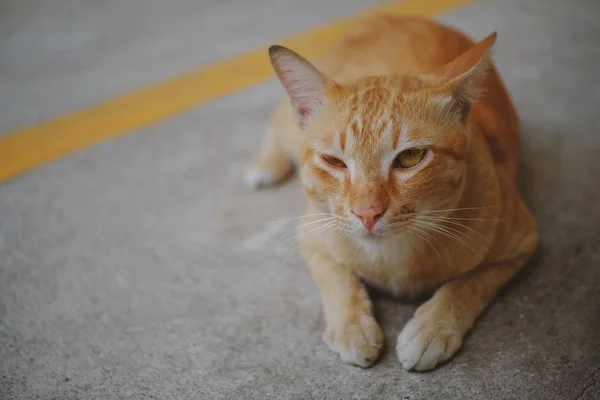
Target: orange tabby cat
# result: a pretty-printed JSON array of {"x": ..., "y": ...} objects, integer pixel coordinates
[{"x": 406, "y": 143}]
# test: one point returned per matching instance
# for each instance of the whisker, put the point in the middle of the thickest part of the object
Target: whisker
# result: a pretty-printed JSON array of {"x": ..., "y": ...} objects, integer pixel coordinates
[
  {"x": 338, "y": 231},
  {"x": 296, "y": 218},
  {"x": 424, "y": 238},
  {"x": 296, "y": 228},
  {"x": 312, "y": 222},
  {"x": 460, "y": 218},
  {"x": 358, "y": 250},
  {"x": 445, "y": 231},
  {"x": 458, "y": 209},
  {"x": 344, "y": 224},
  {"x": 312, "y": 230},
  {"x": 465, "y": 235},
  {"x": 450, "y": 221},
  {"x": 441, "y": 245},
  {"x": 288, "y": 254},
  {"x": 276, "y": 221},
  {"x": 329, "y": 227},
  {"x": 298, "y": 237},
  {"x": 246, "y": 222}
]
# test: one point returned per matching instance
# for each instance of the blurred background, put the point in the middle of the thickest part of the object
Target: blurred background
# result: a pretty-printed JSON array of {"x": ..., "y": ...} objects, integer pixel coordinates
[{"x": 134, "y": 264}]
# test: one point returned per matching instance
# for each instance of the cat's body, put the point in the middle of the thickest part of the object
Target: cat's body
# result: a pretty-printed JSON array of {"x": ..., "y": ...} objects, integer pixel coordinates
[{"x": 407, "y": 146}]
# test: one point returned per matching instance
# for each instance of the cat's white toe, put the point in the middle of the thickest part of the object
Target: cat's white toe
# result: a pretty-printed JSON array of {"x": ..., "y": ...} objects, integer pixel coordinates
[
  {"x": 428, "y": 339},
  {"x": 357, "y": 344},
  {"x": 256, "y": 178}
]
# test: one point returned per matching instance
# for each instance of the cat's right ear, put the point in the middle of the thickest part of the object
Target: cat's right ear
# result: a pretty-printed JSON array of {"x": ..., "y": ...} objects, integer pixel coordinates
[
  {"x": 465, "y": 76},
  {"x": 305, "y": 85}
]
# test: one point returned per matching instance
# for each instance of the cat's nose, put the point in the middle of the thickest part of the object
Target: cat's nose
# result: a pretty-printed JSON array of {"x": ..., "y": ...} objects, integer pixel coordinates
[{"x": 369, "y": 214}]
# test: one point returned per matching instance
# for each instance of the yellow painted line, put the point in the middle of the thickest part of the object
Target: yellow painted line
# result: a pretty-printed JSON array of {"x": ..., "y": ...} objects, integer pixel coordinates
[{"x": 33, "y": 146}]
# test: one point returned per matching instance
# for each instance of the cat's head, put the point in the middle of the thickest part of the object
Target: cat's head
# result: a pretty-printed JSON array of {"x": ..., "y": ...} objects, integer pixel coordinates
[{"x": 377, "y": 150}]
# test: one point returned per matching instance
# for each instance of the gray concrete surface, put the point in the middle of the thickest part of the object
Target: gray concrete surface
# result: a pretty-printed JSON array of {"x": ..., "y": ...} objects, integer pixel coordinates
[
  {"x": 140, "y": 269},
  {"x": 56, "y": 55}
]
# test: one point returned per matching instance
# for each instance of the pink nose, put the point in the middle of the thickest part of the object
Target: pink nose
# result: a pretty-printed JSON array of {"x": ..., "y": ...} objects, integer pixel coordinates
[{"x": 369, "y": 214}]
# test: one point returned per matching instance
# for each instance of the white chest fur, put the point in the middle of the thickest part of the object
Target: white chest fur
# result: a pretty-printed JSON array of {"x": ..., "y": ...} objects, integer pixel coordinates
[
  {"x": 383, "y": 263},
  {"x": 391, "y": 253}
]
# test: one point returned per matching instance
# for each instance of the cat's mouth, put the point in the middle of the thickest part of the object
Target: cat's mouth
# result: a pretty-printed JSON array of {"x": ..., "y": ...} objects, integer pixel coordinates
[
  {"x": 382, "y": 232},
  {"x": 383, "y": 229}
]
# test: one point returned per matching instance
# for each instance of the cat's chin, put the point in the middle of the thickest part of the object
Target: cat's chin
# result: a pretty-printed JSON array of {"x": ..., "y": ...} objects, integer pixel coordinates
[
  {"x": 375, "y": 235},
  {"x": 372, "y": 237}
]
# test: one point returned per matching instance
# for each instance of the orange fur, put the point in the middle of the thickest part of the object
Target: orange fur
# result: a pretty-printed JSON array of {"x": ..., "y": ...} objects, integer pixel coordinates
[{"x": 453, "y": 224}]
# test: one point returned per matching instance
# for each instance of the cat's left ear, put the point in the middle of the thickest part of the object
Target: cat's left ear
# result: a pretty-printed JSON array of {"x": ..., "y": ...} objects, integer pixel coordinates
[
  {"x": 465, "y": 76},
  {"x": 305, "y": 85}
]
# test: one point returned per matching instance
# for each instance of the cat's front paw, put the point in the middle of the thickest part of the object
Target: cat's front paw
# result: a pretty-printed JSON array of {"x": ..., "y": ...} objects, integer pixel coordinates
[
  {"x": 359, "y": 343},
  {"x": 431, "y": 337}
]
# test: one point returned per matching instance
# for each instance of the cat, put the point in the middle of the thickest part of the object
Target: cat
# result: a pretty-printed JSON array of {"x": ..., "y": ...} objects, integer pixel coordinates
[{"x": 406, "y": 143}]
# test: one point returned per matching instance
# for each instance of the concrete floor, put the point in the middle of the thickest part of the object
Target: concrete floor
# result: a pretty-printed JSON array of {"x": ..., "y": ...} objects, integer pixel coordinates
[
  {"x": 58, "y": 55},
  {"x": 137, "y": 269}
]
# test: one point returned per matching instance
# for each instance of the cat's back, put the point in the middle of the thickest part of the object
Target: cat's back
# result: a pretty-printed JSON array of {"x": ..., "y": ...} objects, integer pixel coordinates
[{"x": 386, "y": 44}]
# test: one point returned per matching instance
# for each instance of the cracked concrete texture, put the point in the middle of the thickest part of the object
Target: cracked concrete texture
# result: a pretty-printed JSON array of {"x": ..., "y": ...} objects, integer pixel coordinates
[{"x": 135, "y": 269}]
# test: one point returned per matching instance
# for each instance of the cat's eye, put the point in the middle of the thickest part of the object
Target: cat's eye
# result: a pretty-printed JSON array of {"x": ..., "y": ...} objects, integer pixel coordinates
[
  {"x": 409, "y": 158},
  {"x": 333, "y": 161}
]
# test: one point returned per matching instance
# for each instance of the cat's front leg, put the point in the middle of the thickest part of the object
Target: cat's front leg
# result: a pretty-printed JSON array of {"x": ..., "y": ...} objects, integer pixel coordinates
[
  {"x": 437, "y": 329},
  {"x": 352, "y": 331}
]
